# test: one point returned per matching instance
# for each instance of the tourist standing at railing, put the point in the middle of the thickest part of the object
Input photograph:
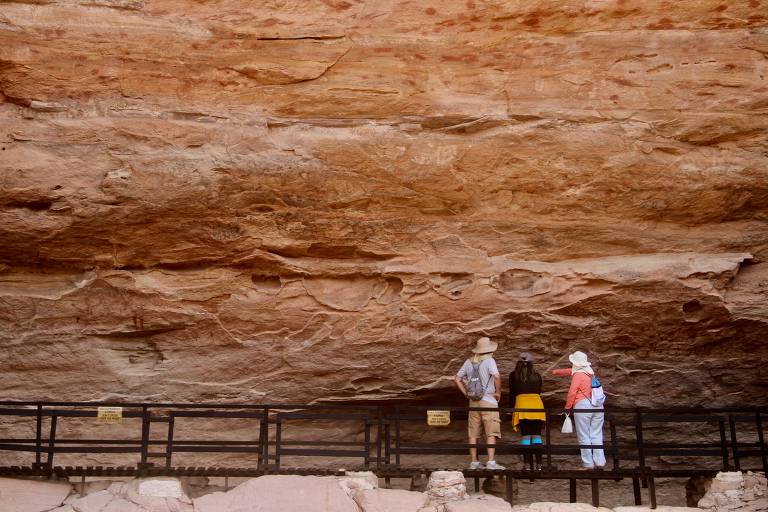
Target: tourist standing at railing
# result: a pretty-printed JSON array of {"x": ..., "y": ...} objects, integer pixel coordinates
[
  {"x": 480, "y": 381},
  {"x": 589, "y": 425},
  {"x": 525, "y": 393}
]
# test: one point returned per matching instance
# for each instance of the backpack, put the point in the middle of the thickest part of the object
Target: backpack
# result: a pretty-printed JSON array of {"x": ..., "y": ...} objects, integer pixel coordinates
[
  {"x": 598, "y": 394},
  {"x": 475, "y": 387}
]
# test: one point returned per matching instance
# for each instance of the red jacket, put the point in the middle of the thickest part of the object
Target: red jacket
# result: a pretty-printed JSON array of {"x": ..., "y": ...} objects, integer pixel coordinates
[{"x": 581, "y": 386}]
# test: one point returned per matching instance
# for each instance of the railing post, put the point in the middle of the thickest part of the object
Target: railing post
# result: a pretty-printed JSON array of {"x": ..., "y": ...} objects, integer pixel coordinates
[
  {"x": 144, "y": 438},
  {"x": 379, "y": 433},
  {"x": 278, "y": 441},
  {"x": 639, "y": 439},
  {"x": 548, "y": 434},
  {"x": 636, "y": 490},
  {"x": 509, "y": 488},
  {"x": 572, "y": 490},
  {"x": 614, "y": 445},
  {"x": 367, "y": 441},
  {"x": 38, "y": 436},
  {"x": 387, "y": 444},
  {"x": 761, "y": 440},
  {"x": 595, "y": 492},
  {"x": 51, "y": 442},
  {"x": 652, "y": 490},
  {"x": 169, "y": 442},
  {"x": 734, "y": 443},
  {"x": 723, "y": 444},
  {"x": 397, "y": 436},
  {"x": 263, "y": 457}
]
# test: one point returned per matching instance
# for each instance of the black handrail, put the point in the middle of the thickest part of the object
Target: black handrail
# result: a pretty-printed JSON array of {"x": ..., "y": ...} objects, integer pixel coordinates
[{"x": 380, "y": 440}]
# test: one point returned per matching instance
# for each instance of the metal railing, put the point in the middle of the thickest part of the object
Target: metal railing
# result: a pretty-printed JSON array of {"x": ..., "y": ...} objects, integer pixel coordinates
[{"x": 380, "y": 442}]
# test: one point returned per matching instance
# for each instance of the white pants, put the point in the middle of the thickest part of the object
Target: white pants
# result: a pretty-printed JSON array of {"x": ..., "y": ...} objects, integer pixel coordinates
[{"x": 589, "y": 430}]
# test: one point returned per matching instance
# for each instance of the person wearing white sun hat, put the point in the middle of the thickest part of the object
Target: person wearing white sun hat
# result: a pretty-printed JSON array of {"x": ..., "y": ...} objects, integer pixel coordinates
[
  {"x": 589, "y": 425},
  {"x": 480, "y": 381}
]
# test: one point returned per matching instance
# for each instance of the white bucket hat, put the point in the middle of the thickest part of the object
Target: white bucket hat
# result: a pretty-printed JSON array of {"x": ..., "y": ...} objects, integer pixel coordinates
[
  {"x": 484, "y": 346},
  {"x": 579, "y": 358}
]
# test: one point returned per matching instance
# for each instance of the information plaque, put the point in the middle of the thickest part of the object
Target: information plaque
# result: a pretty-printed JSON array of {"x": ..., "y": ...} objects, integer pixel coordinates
[
  {"x": 438, "y": 418},
  {"x": 109, "y": 414}
]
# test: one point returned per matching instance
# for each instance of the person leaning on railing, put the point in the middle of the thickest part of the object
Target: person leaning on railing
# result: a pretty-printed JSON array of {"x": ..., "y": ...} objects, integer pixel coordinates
[{"x": 589, "y": 425}]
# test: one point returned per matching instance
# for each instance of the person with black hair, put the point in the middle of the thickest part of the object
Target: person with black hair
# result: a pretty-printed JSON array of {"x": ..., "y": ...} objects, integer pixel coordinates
[{"x": 525, "y": 393}]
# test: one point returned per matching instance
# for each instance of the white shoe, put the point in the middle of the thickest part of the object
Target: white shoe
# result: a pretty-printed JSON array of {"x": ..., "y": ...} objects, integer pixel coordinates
[
  {"x": 476, "y": 465},
  {"x": 493, "y": 465}
]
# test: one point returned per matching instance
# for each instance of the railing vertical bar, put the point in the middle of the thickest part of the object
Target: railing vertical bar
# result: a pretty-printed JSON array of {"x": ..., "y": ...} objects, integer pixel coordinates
[
  {"x": 614, "y": 444},
  {"x": 144, "y": 437},
  {"x": 379, "y": 433},
  {"x": 263, "y": 457},
  {"x": 169, "y": 442},
  {"x": 723, "y": 444},
  {"x": 387, "y": 444},
  {"x": 38, "y": 435},
  {"x": 636, "y": 491},
  {"x": 761, "y": 440},
  {"x": 734, "y": 443},
  {"x": 387, "y": 452},
  {"x": 595, "y": 492},
  {"x": 572, "y": 490},
  {"x": 278, "y": 440},
  {"x": 652, "y": 490},
  {"x": 367, "y": 442},
  {"x": 51, "y": 442},
  {"x": 509, "y": 488},
  {"x": 639, "y": 439},
  {"x": 548, "y": 434},
  {"x": 397, "y": 436}
]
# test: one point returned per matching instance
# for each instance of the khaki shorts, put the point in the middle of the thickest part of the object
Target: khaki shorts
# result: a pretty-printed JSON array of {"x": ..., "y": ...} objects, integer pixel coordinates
[{"x": 484, "y": 420}]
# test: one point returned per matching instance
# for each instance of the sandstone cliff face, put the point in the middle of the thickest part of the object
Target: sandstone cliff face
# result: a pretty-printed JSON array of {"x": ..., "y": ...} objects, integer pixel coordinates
[{"x": 304, "y": 200}]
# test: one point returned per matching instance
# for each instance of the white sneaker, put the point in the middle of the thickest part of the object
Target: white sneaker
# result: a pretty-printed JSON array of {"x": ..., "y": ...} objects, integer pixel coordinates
[
  {"x": 476, "y": 465},
  {"x": 493, "y": 465}
]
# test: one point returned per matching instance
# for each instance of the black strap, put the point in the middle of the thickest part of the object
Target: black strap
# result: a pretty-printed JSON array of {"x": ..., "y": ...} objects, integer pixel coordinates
[{"x": 479, "y": 364}]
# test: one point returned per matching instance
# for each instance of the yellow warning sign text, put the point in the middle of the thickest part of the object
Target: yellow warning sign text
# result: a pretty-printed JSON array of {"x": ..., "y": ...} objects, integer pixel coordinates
[{"x": 438, "y": 418}]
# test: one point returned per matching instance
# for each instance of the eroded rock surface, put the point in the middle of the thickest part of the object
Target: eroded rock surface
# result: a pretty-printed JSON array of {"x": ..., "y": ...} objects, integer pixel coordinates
[
  {"x": 139, "y": 495},
  {"x": 31, "y": 496},
  {"x": 281, "y": 493},
  {"x": 331, "y": 199},
  {"x": 736, "y": 491}
]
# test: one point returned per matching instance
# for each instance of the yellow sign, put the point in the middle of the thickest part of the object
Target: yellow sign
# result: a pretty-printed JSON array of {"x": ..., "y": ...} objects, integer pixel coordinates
[
  {"x": 109, "y": 414},
  {"x": 438, "y": 418}
]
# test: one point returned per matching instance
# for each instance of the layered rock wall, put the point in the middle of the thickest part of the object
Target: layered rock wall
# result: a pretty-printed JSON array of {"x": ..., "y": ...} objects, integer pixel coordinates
[{"x": 330, "y": 199}]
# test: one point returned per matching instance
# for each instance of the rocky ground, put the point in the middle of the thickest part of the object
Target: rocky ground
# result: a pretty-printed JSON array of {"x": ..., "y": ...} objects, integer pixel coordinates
[{"x": 357, "y": 492}]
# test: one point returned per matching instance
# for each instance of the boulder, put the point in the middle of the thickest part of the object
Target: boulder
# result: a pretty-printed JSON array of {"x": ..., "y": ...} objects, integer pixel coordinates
[
  {"x": 278, "y": 493},
  {"x": 558, "y": 507},
  {"x": 390, "y": 500},
  {"x": 17, "y": 495},
  {"x": 479, "y": 503},
  {"x": 141, "y": 495},
  {"x": 445, "y": 486},
  {"x": 660, "y": 508},
  {"x": 736, "y": 491},
  {"x": 98, "y": 501},
  {"x": 354, "y": 481}
]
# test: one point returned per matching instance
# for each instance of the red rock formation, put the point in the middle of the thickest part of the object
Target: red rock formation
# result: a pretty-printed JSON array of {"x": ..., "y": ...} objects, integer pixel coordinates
[{"x": 302, "y": 200}]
